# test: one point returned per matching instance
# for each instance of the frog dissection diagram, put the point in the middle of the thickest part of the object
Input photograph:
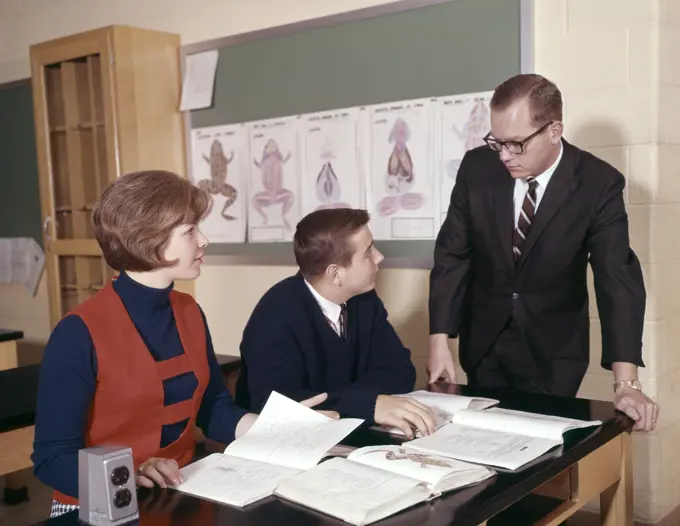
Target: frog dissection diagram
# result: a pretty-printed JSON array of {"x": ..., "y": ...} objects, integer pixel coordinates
[
  {"x": 217, "y": 183},
  {"x": 219, "y": 155}
]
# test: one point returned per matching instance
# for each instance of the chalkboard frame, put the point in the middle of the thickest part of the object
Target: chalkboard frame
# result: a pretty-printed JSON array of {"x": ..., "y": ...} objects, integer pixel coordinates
[{"x": 419, "y": 253}]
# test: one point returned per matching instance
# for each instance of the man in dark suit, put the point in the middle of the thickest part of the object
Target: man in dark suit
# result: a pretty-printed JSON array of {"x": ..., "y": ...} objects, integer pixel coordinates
[{"x": 527, "y": 214}]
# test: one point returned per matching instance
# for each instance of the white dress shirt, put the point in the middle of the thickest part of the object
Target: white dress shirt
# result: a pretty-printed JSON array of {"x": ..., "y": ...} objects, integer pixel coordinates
[
  {"x": 522, "y": 187},
  {"x": 330, "y": 310}
]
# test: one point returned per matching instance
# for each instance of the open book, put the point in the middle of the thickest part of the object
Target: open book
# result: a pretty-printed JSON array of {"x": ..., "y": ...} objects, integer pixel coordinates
[
  {"x": 377, "y": 481},
  {"x": 444, "y": 407},
  {"x": 498, "y": 437},
  {"x": 287, "y": 438}
]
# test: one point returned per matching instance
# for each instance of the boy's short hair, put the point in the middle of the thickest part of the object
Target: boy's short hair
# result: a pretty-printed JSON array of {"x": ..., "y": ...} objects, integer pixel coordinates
[
  {"x": 322, "y": 239},
  {"x": 135, "y": 216}
]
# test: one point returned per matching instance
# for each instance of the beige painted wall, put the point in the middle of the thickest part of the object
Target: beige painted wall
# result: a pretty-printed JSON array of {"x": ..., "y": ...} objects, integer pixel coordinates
[
  {"x": 622, "y": 105},
  {"x": 614, "y": 61}
]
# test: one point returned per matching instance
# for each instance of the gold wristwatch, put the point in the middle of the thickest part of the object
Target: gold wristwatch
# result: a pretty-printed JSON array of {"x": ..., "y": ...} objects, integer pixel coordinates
[{"x": 633, "y": 384}]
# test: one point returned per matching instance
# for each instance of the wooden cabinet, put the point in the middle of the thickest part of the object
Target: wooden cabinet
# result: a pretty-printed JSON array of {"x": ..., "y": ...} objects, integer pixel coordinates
[{"x": 106, "y": 103}]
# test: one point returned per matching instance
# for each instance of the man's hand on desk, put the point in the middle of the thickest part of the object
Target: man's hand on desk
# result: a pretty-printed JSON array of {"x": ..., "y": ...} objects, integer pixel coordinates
[
  {"x": 439, "y": 361},
  {"x": 637, "y": 406},
  {"x": 629, "y": 398},
  {"x": 404, "y": 413}
]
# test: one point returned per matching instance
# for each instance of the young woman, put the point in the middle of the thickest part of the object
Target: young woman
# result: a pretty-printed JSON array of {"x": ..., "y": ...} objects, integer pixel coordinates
[{"x": 134, "y": 365}]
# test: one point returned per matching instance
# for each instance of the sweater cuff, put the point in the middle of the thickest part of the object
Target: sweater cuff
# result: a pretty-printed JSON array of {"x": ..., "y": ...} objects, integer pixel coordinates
[{"x": 358, "y": 404}]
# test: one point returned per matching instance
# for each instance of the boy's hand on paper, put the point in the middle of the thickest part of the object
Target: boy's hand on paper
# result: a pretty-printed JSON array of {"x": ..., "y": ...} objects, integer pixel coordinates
[
  {"x": 404, "y": 413},
  {"x": 319, "y": 399}
]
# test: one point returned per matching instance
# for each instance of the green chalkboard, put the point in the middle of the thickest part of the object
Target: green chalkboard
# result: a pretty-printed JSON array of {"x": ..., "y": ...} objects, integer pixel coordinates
[
  {"x": 19, "y": 192},
  {"x": 451, "y": 47}
]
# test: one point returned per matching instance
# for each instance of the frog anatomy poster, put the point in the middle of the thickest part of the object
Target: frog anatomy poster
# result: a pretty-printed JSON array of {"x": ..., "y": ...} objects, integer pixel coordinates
[
  {"x": 219, "y": 157},
  {"x": 399, "y": 160},
  {"x": 274, "y": 180},
  {"x": 401, "y": 189},
  {"x": 332, "y": 175},
  {"x": 463, "y": 122}
]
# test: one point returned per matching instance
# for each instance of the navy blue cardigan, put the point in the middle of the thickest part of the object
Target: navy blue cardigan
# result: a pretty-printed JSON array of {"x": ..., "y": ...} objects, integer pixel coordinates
[
  {"x": 68, "y": 380},
  {"x": 289, "y": 347}
]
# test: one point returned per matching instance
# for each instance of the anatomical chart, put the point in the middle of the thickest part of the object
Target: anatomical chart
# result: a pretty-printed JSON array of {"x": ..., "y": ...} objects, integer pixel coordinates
[
  {"x": 400, "y": 189},
  {"x": 463, "y": 122},
  {"x": 274, "y": 181},
  {"x": 331, "y": 175},
  {"x": 219, "y": 156}
]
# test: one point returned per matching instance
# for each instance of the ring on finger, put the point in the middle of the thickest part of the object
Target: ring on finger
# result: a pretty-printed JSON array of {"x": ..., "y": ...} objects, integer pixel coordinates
[{"x": 140, "y": 469}]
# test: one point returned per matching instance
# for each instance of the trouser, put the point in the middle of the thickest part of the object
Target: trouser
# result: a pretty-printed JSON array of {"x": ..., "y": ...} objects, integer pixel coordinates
[{"x": 510, "y": 364}]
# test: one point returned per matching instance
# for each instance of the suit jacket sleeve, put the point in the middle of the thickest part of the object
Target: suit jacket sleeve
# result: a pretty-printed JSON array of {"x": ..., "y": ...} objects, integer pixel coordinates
[
  {"x": 452, "y": 253},
  {"x": 619, "y": 285}
]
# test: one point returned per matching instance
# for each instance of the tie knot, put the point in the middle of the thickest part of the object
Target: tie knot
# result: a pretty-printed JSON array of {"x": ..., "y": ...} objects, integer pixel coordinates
[{"x": 533, "y": 183}]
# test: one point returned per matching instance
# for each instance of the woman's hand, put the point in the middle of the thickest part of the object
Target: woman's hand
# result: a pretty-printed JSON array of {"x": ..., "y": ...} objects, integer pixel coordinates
[{"x": 158, "y": 471}]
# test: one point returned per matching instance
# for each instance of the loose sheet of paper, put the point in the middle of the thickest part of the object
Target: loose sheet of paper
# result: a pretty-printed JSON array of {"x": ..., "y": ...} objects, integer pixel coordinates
[
  {"x": 199, "y": 80},
  {"x": 232, "y": 480},
  {"x": 290, "y": 434},
  {"x": 21, "y": 262}
]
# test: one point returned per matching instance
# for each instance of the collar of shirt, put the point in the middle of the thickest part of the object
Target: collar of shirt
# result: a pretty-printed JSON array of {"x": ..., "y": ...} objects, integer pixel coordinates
[
  {"x": 330, "y": 310},
  {"x": 521, "y": 186}
]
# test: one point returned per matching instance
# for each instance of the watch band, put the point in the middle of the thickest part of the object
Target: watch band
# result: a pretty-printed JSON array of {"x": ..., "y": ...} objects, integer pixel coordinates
[{"x": 633, "y": 384}]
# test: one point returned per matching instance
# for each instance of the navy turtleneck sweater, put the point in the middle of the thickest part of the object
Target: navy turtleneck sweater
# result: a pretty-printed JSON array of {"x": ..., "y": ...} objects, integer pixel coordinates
[{"x": 68, "y": 379}]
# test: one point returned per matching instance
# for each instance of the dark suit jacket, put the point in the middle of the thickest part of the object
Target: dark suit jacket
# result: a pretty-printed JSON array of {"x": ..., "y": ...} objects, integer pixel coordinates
[{"x": 475, "y": 286}]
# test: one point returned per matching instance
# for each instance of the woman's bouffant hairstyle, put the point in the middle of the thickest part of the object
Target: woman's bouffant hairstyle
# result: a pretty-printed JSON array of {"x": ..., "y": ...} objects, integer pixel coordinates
[{"x": 135, "y": 216}]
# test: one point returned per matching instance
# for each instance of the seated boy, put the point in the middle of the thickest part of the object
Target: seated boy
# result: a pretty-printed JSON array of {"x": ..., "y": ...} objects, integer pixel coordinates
[{"x": 326, "y": 330}]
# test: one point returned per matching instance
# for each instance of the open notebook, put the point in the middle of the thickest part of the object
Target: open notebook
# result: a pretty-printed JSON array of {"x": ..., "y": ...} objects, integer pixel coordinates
[
  {"x": 377, "y": 481},
  {"x": 498, "y": 437},
  {"x": 444, "y": 407},
  {"x": 286, "y": 439}
]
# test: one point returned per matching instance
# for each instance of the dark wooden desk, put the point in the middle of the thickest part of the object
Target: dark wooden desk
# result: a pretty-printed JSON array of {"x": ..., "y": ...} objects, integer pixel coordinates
[
  {"x": 546, "y": 492},
  {"x": 18, "y": 393}
]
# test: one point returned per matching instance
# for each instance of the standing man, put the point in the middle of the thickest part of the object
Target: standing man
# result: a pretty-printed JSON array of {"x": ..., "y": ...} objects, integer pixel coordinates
[{"x": 527, "y": 214}]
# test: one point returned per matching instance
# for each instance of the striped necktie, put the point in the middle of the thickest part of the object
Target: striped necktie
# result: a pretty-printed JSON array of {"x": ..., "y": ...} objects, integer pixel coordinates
[
  {"x": 342, "y": 321},
  {"x": 526, "y": 218}
]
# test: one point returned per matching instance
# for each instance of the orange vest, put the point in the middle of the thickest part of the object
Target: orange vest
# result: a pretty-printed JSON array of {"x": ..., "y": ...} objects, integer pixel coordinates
[{"x": 127, "y": 408}]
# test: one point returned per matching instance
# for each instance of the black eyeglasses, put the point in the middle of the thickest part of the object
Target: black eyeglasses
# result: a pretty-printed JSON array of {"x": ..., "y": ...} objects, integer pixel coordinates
[{"x": 515, "y": 147}]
